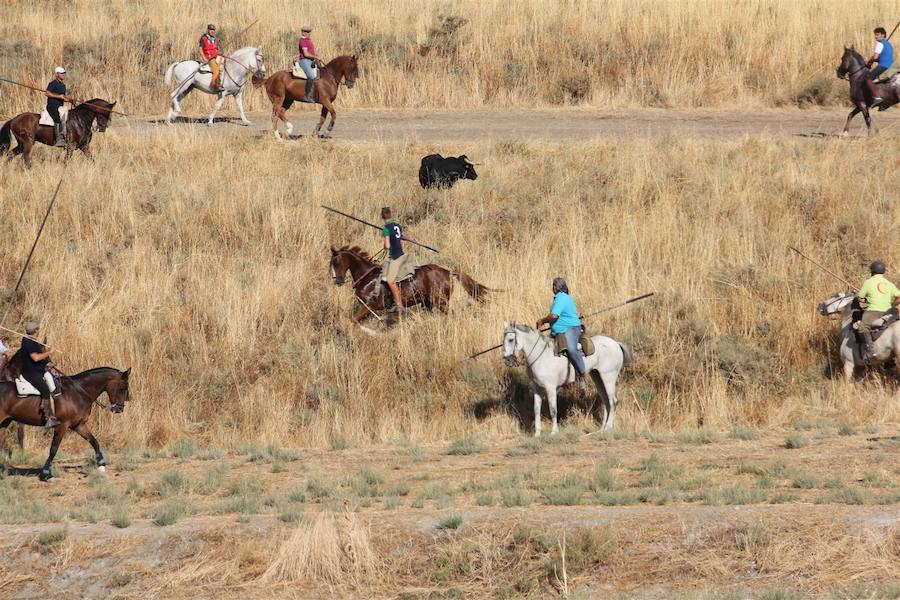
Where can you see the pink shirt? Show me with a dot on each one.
(308, 45)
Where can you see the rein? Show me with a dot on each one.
(533, 346)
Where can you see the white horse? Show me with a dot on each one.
(887, 344)
(548, 372)
(235, 74)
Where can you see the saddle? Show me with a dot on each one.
(879, 326)
(46, 119)
(889, 74)
(409, 269)
(204, 68)
(585, 344)
(297, 72)
(23, 388)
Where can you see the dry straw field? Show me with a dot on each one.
(754, 53)
(272, 449)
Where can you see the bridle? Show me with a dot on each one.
(259, 59)
(848, 74)
(526, 355)
(825, 307)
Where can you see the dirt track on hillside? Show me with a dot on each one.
(537, 124)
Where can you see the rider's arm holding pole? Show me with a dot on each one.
(39, 356)
(548, 320)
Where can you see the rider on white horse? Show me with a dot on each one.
(209, 53)
(564, 320)
(879, 296)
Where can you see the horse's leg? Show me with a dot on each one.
(321, 120)
(84, 431)
(239, 100)
(608, 393)
(849, 367)
(537, 413)
(27, 144)
(219, 101)
(551, 400)
(58, 433)
(329, 105)
(276, 115)
(604, 402)
(865, 112)
(86, 150)
(359, 315)
(175, 107)
(852, 114)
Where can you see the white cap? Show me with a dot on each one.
(59, 70)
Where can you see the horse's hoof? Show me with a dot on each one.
(45, 475)
(102, 469)
(246, 123)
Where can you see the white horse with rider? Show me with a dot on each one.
(548, 371)
(236, 72)
(883, 348)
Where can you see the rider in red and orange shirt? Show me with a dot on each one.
(209, 52)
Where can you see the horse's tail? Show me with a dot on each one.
(627, 354)
(476, 290)
(5, 140)
(169, 73)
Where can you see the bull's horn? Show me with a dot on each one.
(469, 162)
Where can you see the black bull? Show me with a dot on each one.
(439, 172)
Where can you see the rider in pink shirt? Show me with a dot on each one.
(307, 57)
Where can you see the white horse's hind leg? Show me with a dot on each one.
(551, 401)
(537, 414)
(216, 108)
(239, 100)
(848, 371)
(609, 391)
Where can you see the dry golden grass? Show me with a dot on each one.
(216, 290)
(465, 53)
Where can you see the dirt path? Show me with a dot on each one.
(556, 125)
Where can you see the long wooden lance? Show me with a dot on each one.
(587, 316)
(37, 238)
(894, 29)
(821, 266)
(73, 101)
(373, 225)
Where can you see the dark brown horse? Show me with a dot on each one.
(73, 407)
(79, 123)
(283, 90)
(430, 287)
(853, 67)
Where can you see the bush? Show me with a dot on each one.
(816, 92)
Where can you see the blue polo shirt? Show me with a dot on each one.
(886, 56)
(563, 307)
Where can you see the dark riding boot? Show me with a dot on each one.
(875, 99)
(869, 354)
(309, 92)
(60, 135)
(49, 419)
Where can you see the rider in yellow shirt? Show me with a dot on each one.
(878, 295)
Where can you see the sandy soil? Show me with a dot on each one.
(556, 125)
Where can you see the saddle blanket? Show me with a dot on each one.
(886, 76)
(297, 72)
(585, 344)
(46, 119)
(23, 388)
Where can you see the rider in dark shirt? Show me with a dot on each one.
(393, 234)
(35, 361)
(56, 95)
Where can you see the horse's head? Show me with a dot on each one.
(851, 61)
(512, 344)
(836, 304)
(351, 71)
(103, 111)
(117, 390)
(258, 64)
(339, 265)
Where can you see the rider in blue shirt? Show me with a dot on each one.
(884, 56)
(563, 319)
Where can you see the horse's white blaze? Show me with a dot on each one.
(547, 371)
(333, 272)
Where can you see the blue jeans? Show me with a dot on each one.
(307, 66)
(575, 356)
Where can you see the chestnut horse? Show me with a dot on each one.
(430, 286)
(73, 408)
(78, 125)
(283, 90)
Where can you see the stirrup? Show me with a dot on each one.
(50, 422)
(308, 99)
(877, 101)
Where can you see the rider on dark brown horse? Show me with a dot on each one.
(884, 56)
(56, 95)
(396, 259)
(306, 59)
(36, 361)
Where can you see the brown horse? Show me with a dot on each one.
(73, 407)
(283, 90)
(430, 287)
(853, 68)
(80, 120)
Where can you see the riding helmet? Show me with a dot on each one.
(877, 268)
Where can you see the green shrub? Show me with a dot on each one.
(450, 522)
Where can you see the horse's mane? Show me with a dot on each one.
(93, 371)
(359, 252)
(92, 103)
(856, 55)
